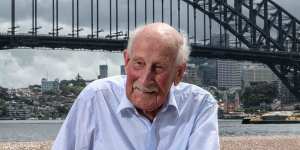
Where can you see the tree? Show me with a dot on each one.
(35, 88)
(62, 110)
(3, 107)
(3, 93)
(79, 81)
(51, 92)
(258, 93)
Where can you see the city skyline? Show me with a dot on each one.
(23, 67)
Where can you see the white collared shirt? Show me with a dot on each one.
(102, 118)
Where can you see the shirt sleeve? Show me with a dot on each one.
(77, 129)
(205, 134)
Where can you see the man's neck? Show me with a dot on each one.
(150, 115)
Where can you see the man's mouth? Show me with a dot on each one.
(145, 91)
(149, 90)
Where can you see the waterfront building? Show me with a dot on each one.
(103, 71)
(23, 92)
(50, 85)
(232, 105)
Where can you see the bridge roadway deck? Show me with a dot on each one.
(198, 50)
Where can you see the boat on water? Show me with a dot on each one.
(275, 117)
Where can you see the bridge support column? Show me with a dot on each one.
(13, 27)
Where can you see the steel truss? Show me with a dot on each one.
(279, 32)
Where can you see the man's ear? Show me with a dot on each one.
(179, 73)
(126, 57)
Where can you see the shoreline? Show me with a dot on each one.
(276, 142)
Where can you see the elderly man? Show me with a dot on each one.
(149, 109)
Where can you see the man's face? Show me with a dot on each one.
(151, 70)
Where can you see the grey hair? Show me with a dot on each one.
(183, 47)
(184, 50)
(132, 37)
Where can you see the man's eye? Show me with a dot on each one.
(159, 69)
(138, 64)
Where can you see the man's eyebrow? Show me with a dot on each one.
(161, 63)
(136, 58)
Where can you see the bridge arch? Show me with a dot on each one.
(285, 36)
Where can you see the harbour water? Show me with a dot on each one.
(28, 130)
(39, 130)
(235, 128)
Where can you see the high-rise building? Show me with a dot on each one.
(191, 75)
(122, 70)
(257, 73)
(228, 73)
(208, 72)
(103, 70)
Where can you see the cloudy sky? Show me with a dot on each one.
(22, 67)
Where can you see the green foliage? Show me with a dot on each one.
(72, 87)
(217, 95)
(51, 92)
(3, 107)
(61, 99)
(62, 109)
(259, 93)
(3, 98)
(35, 88)
(231, 96)
(3, 93)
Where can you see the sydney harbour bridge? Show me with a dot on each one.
(253, 30)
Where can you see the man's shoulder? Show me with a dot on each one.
(114, 83)
(193, 93)
(189, 89)
(109, 82)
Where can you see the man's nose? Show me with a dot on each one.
(147, 77)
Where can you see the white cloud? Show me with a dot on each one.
(18, 69)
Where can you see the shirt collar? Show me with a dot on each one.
(171, 104)
(124, 104)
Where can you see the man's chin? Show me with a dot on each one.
(145, 102)
(147, 108)
(145, 96)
